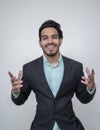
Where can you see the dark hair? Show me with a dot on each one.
(53, 24)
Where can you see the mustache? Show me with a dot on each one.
(49, 44)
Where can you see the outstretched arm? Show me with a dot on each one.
(86, 89)
(20, 88)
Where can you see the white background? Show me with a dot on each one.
(19, 24)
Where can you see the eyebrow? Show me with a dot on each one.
(44, 36)
(47, 35)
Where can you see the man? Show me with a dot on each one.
(54, 79)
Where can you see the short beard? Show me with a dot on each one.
(51, 54)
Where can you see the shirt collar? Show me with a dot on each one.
(46, 61)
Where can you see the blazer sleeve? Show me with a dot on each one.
(24, 91)
(81, 90)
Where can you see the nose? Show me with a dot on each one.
(49, 40)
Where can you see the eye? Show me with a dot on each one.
(54, 36)
(44, 38)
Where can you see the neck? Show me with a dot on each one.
(53, 59)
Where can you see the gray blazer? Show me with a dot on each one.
(49, 108)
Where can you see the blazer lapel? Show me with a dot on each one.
(44, 84)
(66, 74)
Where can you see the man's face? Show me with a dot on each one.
(50, 41)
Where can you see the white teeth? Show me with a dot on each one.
(50, 46)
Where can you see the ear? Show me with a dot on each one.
(60, 41)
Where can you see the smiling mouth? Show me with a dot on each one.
(50, 46)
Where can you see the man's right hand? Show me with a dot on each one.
(16, 82)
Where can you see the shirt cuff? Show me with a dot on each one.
(91, 91)
(15, 94)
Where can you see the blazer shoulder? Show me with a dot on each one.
(33, 62)
(72, 62)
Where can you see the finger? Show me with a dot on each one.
(84, 82)
(16, 83)
(13, 78)
(92, 72)
(11, 75)
(84, 78)
(87, 71)
(87, 79)
(91, 76)
(19, 75)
